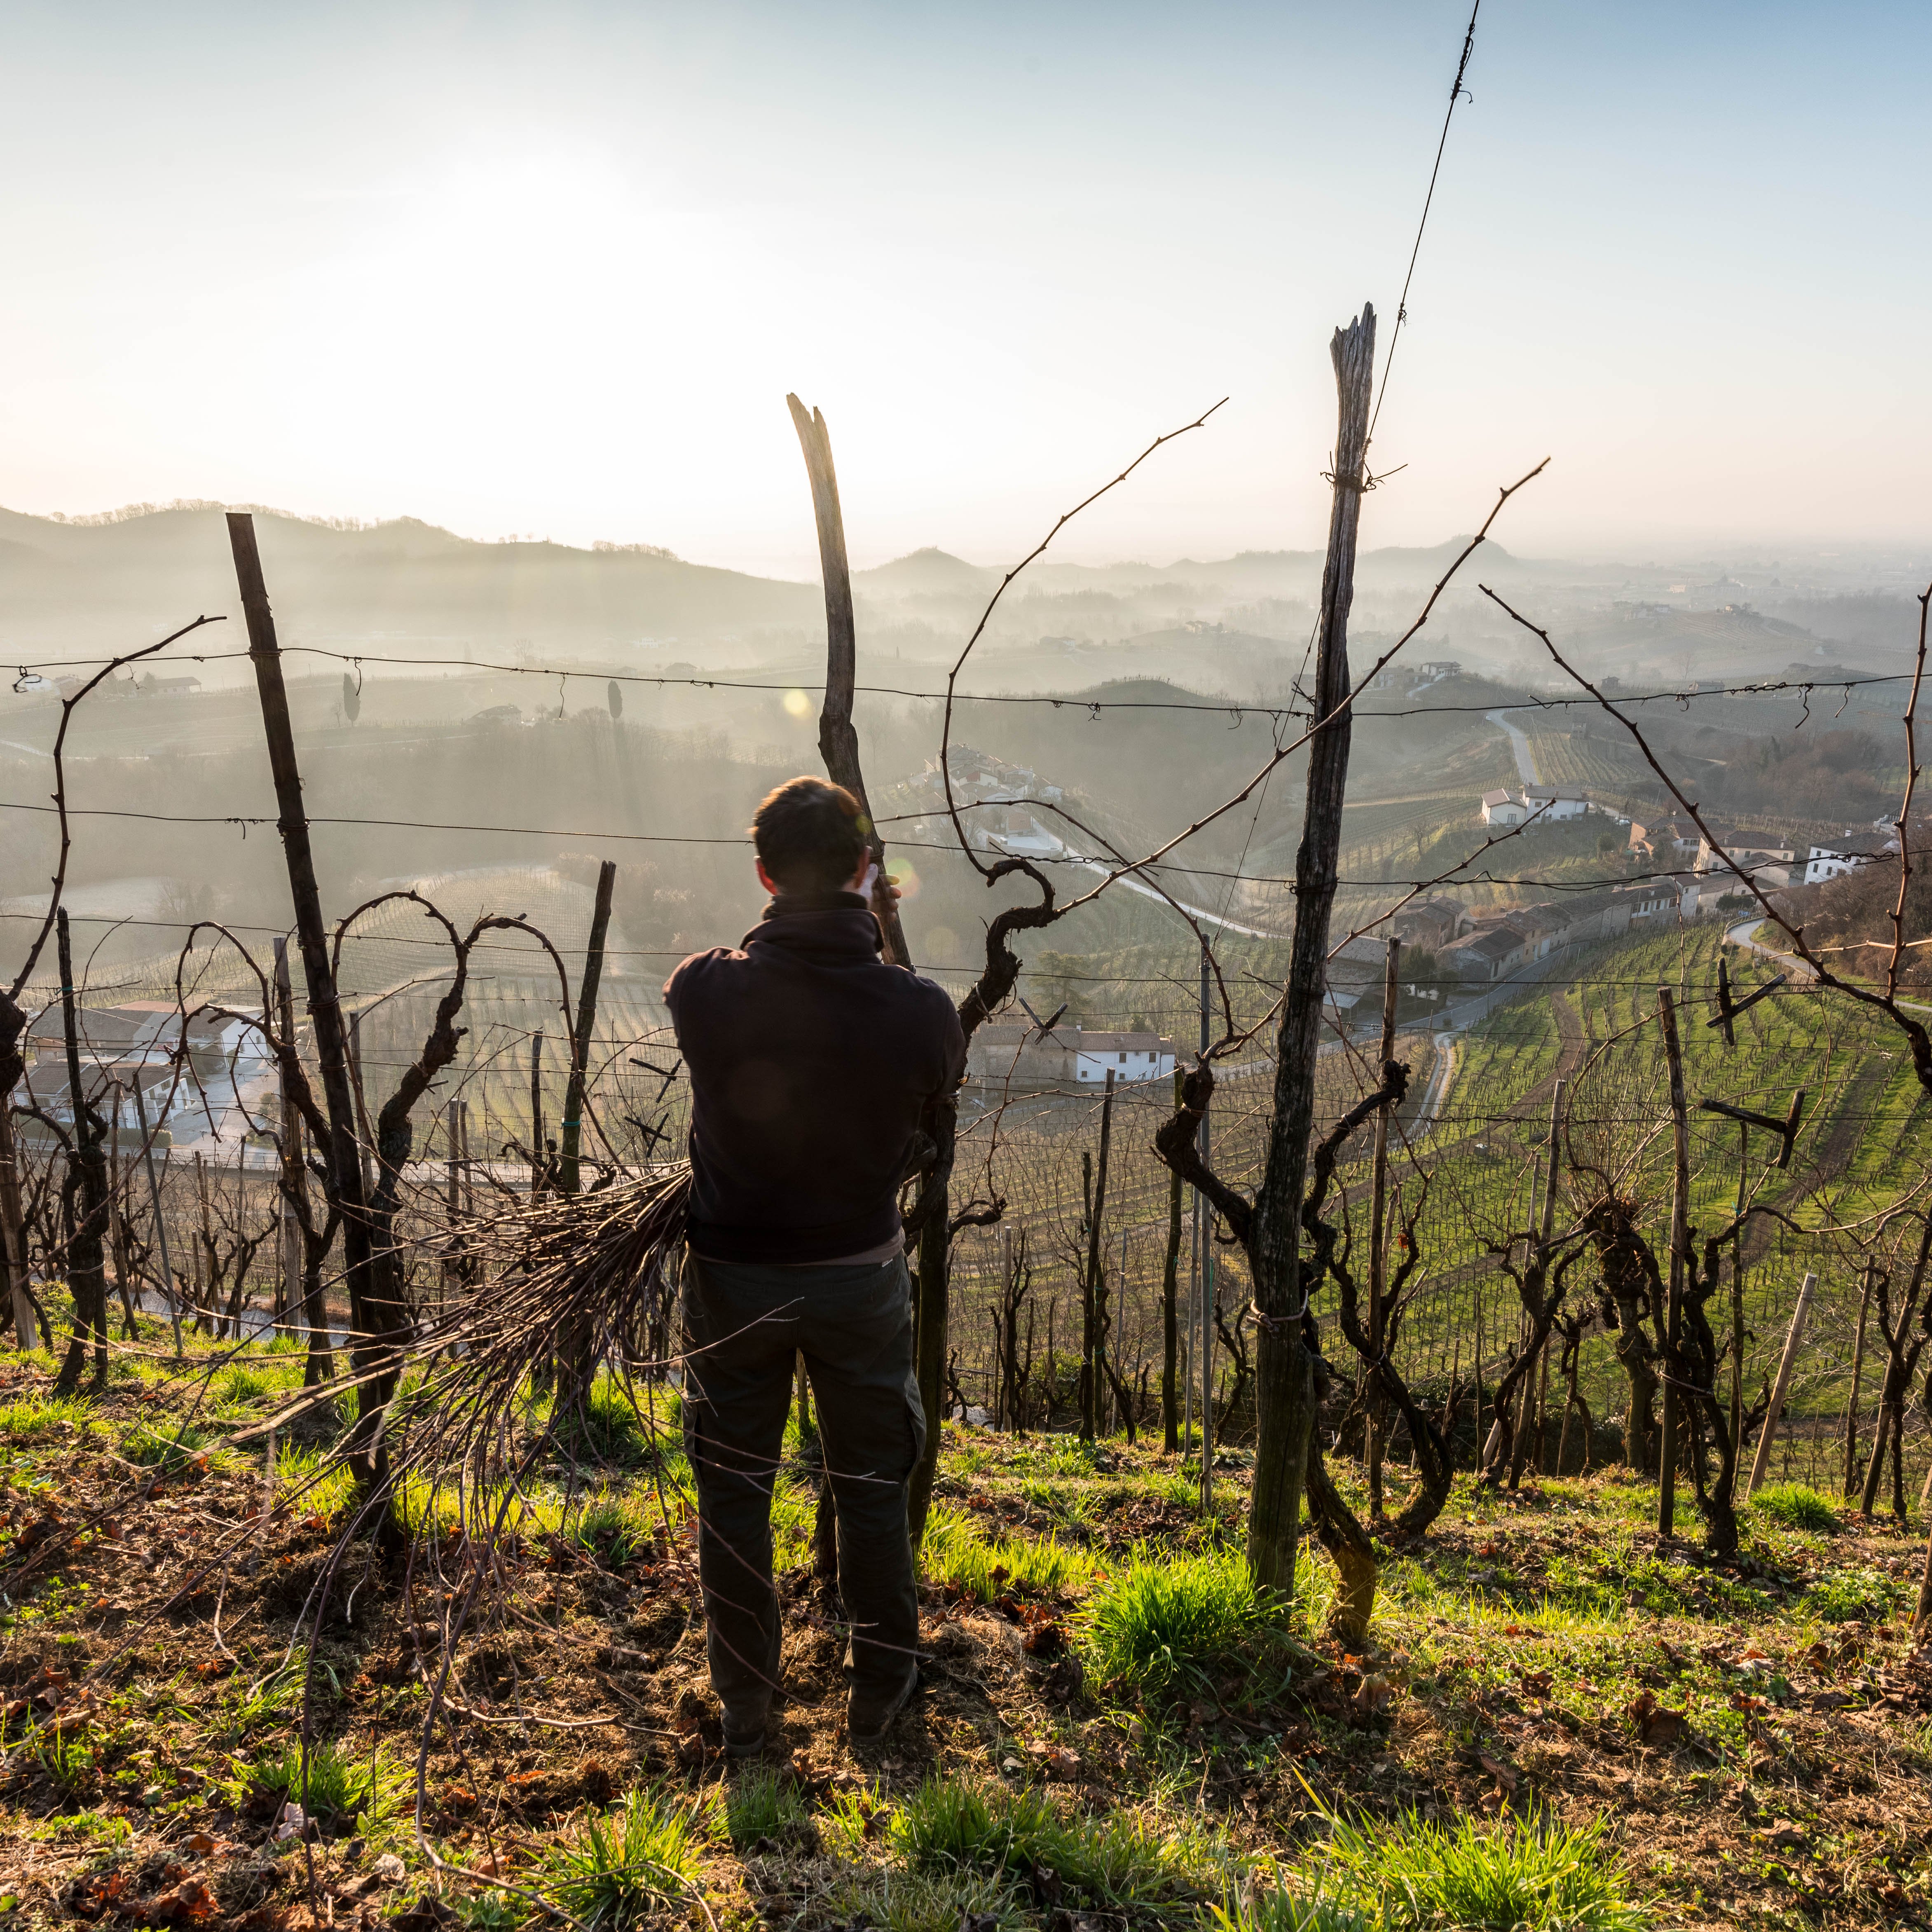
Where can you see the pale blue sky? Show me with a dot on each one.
(551, 269)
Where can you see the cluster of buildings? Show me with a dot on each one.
(1548, 805)
(1006, 1053)
(1001, 796)
(131, 1049)
(1772, 863)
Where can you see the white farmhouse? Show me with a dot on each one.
(1500, 809)
(1132, 1057)
(1553, 803)
(1829, 862)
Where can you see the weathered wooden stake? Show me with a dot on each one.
(1092, 1300)
(1680, 1209)
(1378, 1239)
(1851, 1472)
(1780, 1388)
(568, 1160)
(13, 1226)
(377, 1320)
(87, 1271)
(1170, 1326)
(838, 736)
(160, 1219)
(1284, 1377)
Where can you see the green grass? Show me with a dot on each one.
(608, 1428)
(1851, 1596)
(1410, 1875)
(38, 1418)
(956, 1550)
(170, 1447)
(760, 1805)
(312, 1481)
(1162, 1623)
(336, 1785)
(1795, 1506)
(619, 1867)
(1113, 1858)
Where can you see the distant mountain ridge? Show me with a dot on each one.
(118, 576)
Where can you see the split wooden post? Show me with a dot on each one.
(536, 1113)
(1787, 1363)
(376, 1321)
(1851, 1473)
(13, 1226)
(1170, 1288)
(282, 1002)
(1680, 1209)
(1093, 1302)
(1204, 1243)
(1284, 1372)
(568, 1163)
(86, 1269)
(1378, 1240)
(160, 1219)
(577, 1347)
(838, 736)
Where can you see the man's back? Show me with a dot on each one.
(810, 1062)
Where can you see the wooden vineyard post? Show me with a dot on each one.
(568, 1177)
(578, 1346)
(1378, 1240)
(1092, 1301)
(536, 1113)
(282, 999)
(1680, 1209)
(13, 1226)
(86, 1269)
(1284, 1373)
(1851, 1471)
(1203, 1244)
(377, 1322)
(1738, 1302)
(838, 736)
(363, 1132)
(160, 1219)
(1170, 1331)
(1781, 1388)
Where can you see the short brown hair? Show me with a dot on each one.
(810, 834)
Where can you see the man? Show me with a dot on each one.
(810, 1060)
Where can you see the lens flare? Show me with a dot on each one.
(798, 703)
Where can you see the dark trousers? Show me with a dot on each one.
(745, 1323)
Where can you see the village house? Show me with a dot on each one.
(1430, 923)
(1486, 956)
(1009, 1054)
(1834, 861)
(1665, 839)
(1499, 807)
(1552, 803)
(1762, 858)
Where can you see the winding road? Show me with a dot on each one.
(1525, 759)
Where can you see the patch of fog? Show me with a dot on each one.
(149, 896)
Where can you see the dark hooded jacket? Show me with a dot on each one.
(810, 1061)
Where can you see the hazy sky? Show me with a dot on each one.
(550, 269)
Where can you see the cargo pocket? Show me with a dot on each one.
(915, 1424)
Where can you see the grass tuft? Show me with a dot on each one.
(1796, 1506)
(1410, 1875)
(621, 1867)
(955, 1550)
(1113, 1858)
(761, 1804)
(1161, 1623)
(336, 1785)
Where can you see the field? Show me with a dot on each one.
(1559, 1722)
